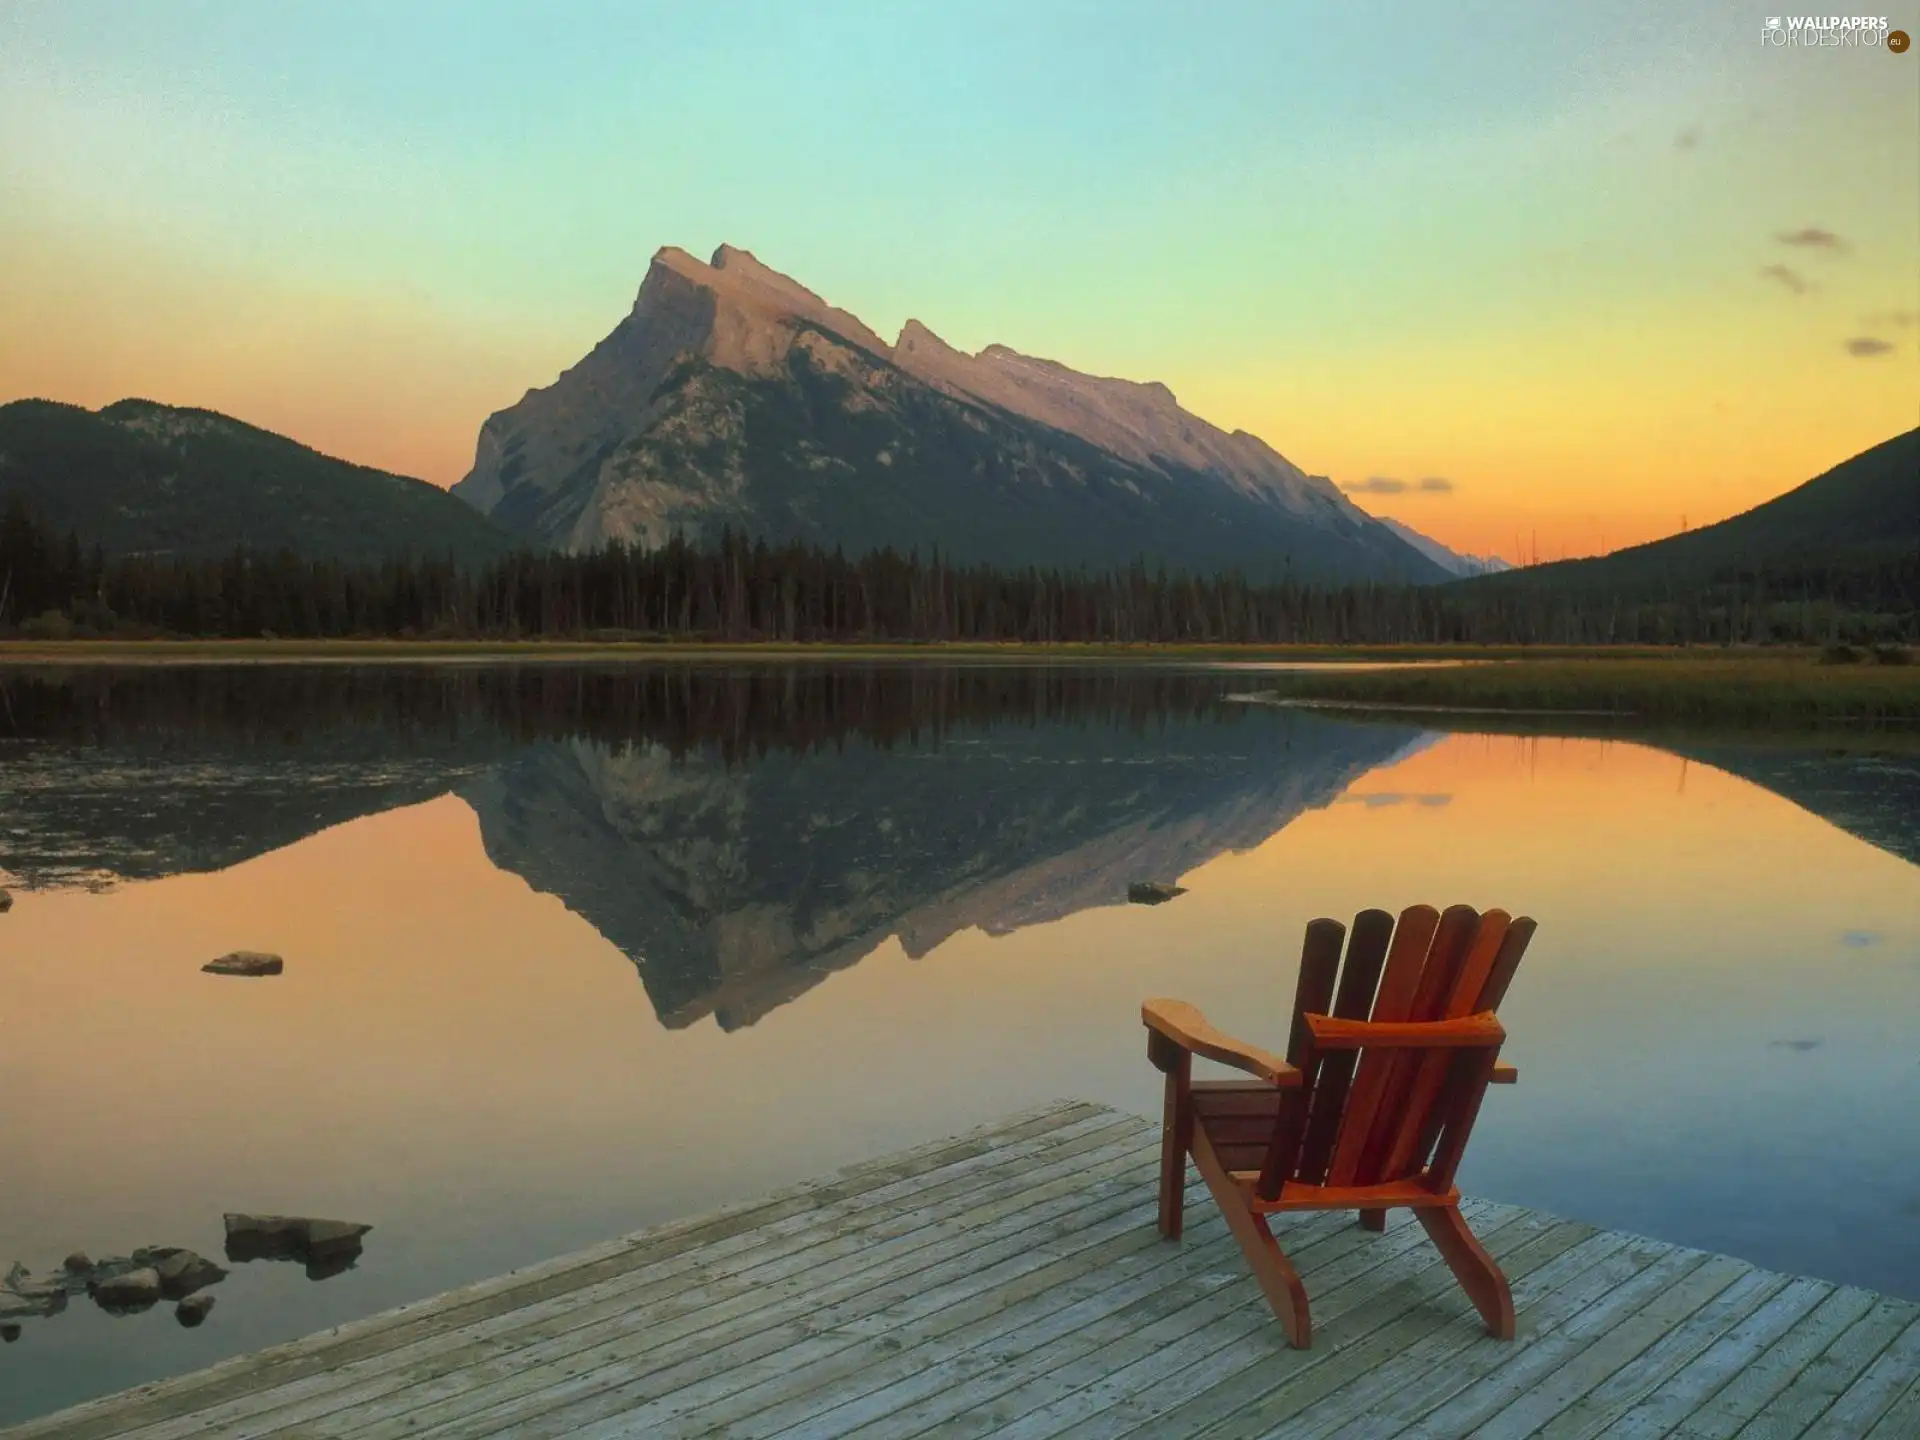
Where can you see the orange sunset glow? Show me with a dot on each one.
(1577, 296)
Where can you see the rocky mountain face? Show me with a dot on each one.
(732, 396)
(1451, 561)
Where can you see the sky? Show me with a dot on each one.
(1590, 272)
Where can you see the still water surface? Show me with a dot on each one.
(572, 952)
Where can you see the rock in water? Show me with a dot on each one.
(192, 1310)
(6, 902)
(23, 1294)
(326, 1247)
(14, 1306)
(1153, 892)
(183, 1272)
(78, 1263)
(245, 962)
(126, 1294)
(9, 1333)
(331, 1234)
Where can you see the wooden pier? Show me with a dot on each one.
(1010, 1282)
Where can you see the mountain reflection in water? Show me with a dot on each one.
(737, 833)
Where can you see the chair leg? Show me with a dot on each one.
(1176, 1133)
(1278, 1280)
(1472, 1266)
(1374, 1219)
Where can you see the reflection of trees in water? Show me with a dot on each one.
(137, 772)
(733, 709)
(1873, 797)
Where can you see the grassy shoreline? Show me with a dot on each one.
(1740, 690)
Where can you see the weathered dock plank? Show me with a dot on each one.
(1011, 1282)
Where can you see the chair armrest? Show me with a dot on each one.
(1469, 1031)
(1505, 1074)
(1186, 1027)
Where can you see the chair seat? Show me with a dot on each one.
(1238, 1117)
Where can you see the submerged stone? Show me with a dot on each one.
(24, 1294)
(325, 1247)
(192, 1310)
(1153, 892)
(127, 1294)
(245, 962)
(15, 1306)
(183, 1272)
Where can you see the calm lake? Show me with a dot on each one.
(570, 951)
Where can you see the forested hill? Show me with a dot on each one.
(1838, 559)
(1850, 537)
(140, 478)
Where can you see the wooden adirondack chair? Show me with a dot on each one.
(1372, 1106)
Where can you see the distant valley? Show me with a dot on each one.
(1451, 561)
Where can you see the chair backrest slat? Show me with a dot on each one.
(1504, 965)
(1312, 994)
(1359, 978)
(1469, 1075)
(1471, 981)
(1313, 991)
(1399, 981)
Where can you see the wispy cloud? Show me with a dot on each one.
(1787, 276)
(1687, 139)
(1866, 346)
(1376, 799)
(1387, 485)
(1898, 319)
(1812, 237)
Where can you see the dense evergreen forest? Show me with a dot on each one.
(740, 590)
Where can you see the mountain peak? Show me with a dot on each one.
(742, 266)
(607, 450)
(673, 258)
(915, 336)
